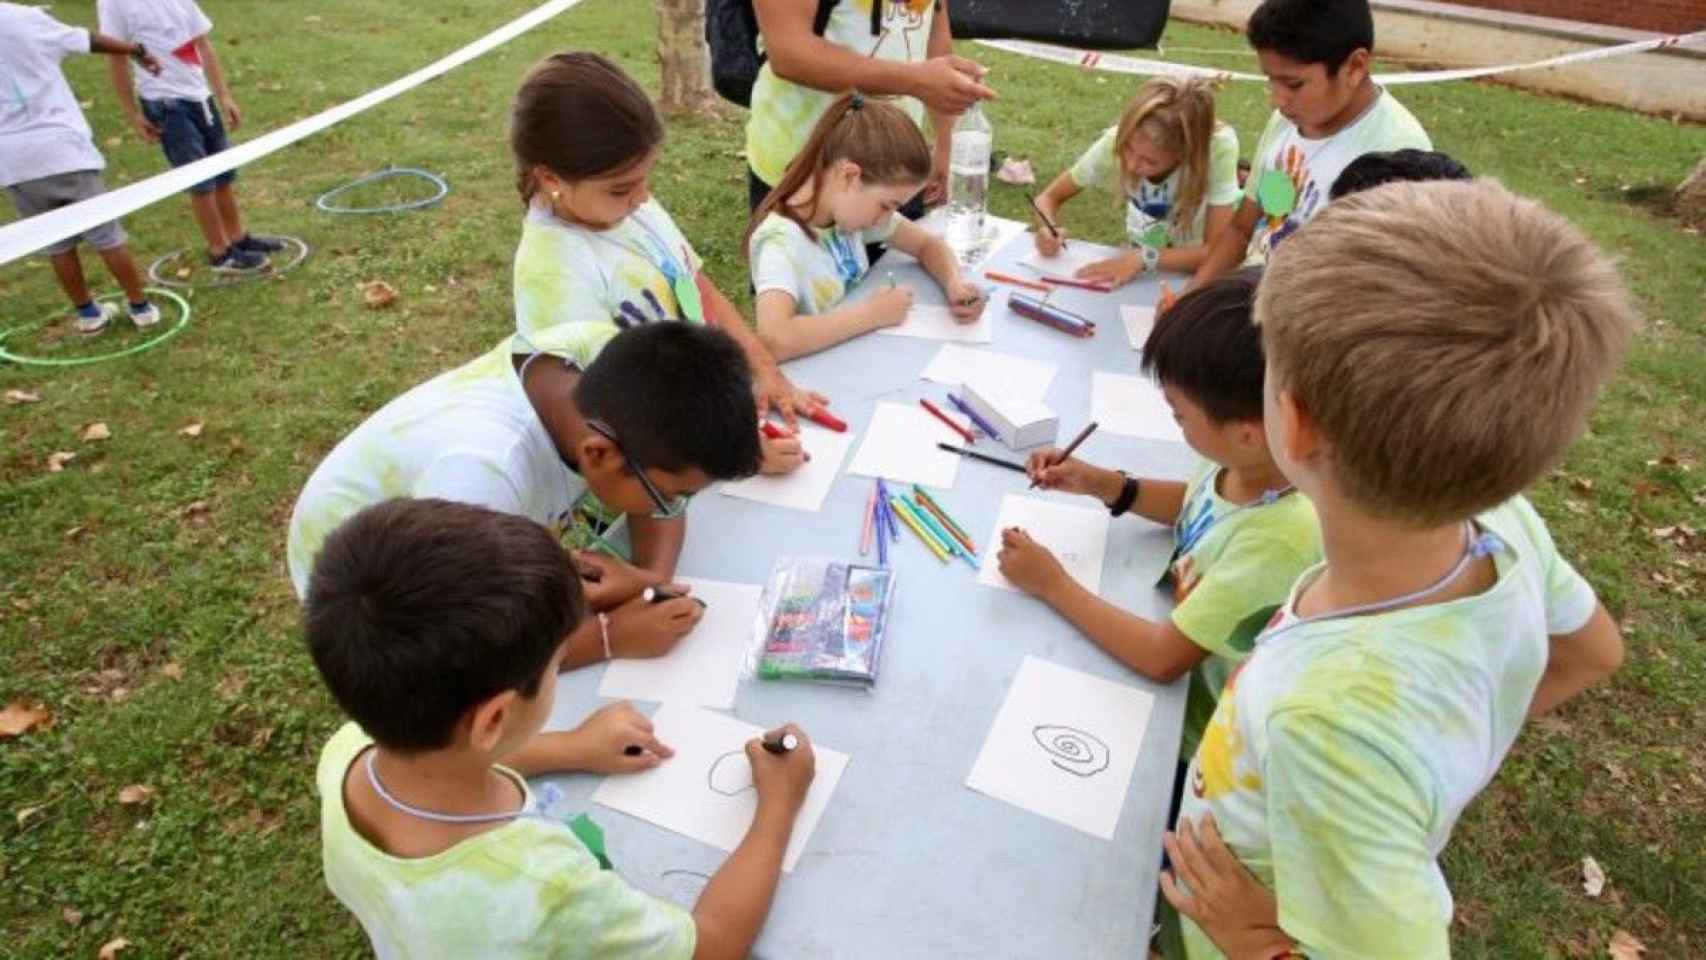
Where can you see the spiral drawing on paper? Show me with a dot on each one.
(730, 774)
(1071, 749)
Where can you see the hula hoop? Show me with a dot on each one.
(324, 201)
(171, 331)
(300, 247)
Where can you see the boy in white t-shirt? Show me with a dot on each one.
(1387, 690)
(177, 109)
(48, 157)
(1327, 112)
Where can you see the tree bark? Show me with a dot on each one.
(684, 58)
(1691, 196)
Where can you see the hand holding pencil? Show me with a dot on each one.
(1040, 465)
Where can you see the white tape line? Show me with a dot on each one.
(27, 236)
(1118, 63)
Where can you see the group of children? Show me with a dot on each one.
(48, 157)
(1366, 606)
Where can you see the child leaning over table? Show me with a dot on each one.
(439, 628)
(1386, 692)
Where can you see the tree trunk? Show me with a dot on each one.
(684, 57)
(1691, 196)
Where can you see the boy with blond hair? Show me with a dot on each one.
(1387, 690)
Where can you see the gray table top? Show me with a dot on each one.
(907, 861)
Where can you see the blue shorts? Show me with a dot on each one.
(190, 131)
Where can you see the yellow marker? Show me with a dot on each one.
(905, 514)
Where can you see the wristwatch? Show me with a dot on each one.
(1151, 257)
(1127, 497)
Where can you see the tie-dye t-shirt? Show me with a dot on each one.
(1149, 206)
(783, 112)
(469, 434)
(577, 288)
(1343, 750)
(1291, 174)
(1234, 566)
(529, 888)
(817, 274)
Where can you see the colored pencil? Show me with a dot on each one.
(869, 524)
(918, 528)
(986, 458)
(943, 537)
(936, 412)
(973, 416)
(881, 518)
(1080, 284)
(1015, 281)
(1052, 229)
(954, 528)
(1064, 455)
(821, 416)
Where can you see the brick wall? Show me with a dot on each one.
(1660, 16)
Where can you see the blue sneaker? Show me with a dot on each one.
(255, 244)
(237, 260)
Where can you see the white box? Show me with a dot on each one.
(1018, 423)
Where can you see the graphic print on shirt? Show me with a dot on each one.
(1215, 772)
(906, 17)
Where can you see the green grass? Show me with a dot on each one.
(154, 553)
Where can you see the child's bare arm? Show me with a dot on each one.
(216, 79)
(1579, 660)
(1188, 259)
(119, 71)
(1227, 250)
(789, 334)
(965, 300)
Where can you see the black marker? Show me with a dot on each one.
(633, 750)
(780, 743)
(660, 595)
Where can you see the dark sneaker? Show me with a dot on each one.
(238, 260)
(254, 244)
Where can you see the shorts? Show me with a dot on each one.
(190, 131)
(34, 197)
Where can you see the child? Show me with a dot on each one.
(598, 253)
(438, 627)
(806, 242)
(1177, 169)
(1327, 112)
(664, 410)
(1385, 693)
(48, 157)
(1241, 534)
(1391, 166)
(177, 109)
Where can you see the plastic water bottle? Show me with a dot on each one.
(968, 182)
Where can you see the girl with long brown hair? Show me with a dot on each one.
(806, 243)
(1175, 167)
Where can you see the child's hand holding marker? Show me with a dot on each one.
(640, 629)
(966, 300)
(609, 581)
(783, 452)
(616, 739)
(1029, 564)
(1072, 475)
(781, 777)
(890, 305)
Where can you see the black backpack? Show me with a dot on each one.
(731, 31)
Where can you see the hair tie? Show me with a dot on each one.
(856, 102)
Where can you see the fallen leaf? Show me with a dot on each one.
(57, 460)
(192, 429)
(97, 431)
(1593, 878)
(195, 512)
(111, 948)
(25, 813)
(1624, 946)
(76, 533)
(1582, 484)
(20, 717)
(378, 294)
(22, 396)
(73, 917)
(183, 273)
(135, 793)
(1662, 533)
(174, 670)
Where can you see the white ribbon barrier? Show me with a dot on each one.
(1119, 63)
(26, 236)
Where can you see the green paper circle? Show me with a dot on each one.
(1276, 193)
(687, 299)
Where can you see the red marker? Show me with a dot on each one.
(773, 432)
(938, 414)
(821, 416)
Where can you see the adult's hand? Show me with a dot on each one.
(951, 84)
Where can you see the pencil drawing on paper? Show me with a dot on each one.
(730, 774)
(1078, 752)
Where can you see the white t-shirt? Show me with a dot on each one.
(168, 28)
(42, 130)
(817, 274)
(1343, 750)
(1149, 206)
(1299, 172)
(469, 434)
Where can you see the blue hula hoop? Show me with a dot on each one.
(441, 190)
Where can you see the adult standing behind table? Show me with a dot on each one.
(895, 47)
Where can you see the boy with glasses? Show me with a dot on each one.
(663, 411)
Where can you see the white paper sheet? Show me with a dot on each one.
(705, 791)
(807, 487)
(1066, 264)
(1063, 746)
(1132, 406)
(935, 322)
(704, 668)
(900, 444)
(1138, 320)
(1019, 377)
(1077, 535)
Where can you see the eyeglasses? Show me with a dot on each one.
(668, 508)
